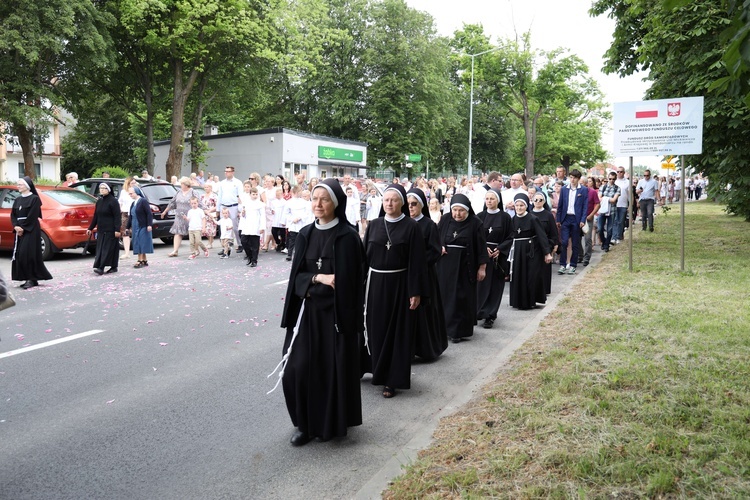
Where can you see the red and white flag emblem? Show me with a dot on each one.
(646, 112)
(673, 109)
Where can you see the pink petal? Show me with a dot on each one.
(163, 344)
(48, 330)
(110, 401)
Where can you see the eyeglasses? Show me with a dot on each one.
(413, 204)
(538, 201)
(620, 171)
(612, 178)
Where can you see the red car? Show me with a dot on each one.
(66, 214)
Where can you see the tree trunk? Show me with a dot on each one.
(528, 150)
(149, 132)
(176, 145)
(26, 141)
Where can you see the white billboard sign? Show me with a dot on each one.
(659, 127)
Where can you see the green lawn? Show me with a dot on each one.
(638, 384)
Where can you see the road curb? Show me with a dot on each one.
(423, 438)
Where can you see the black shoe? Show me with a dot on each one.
(289, 258)
(229, 252)
(111, 270)
(456, 340)
(239, 249)
(487, 323)
(221, 254)
(300, 438)
(651, 229)
(253, 264)
(29, 284)
(585, 263)
(99, 271)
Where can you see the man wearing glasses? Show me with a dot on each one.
(609, 194)
(621, 210)
(648, 191)
(516, 181)
(228, 192)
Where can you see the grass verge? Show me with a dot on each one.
(636, 385)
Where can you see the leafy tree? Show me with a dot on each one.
(683, 49)
(194, 37)
(409, 103)
(543, 86)
(42, 47)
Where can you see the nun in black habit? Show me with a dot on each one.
(542, 212)
(432, 337)
(107, 221)
(528, 249)
(323, 313)
(462, 265)
(27, 261)
(396, 281)
(496, 224)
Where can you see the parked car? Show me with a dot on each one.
(66, 214)
(158, 194)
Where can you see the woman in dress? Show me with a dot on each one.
(496, 224)
(209, 202)
(529, 250)
(396, 280)
(323, 320)
(27, 262)
(542, 212)
(125, 201)
(107, 221)
(180, 203)
(140, 224)
(432, 337)
(463, 264)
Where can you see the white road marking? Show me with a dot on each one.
(50, 343)
(281, 282)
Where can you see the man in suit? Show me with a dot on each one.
(571, 217)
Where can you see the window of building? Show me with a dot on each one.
(37, 170)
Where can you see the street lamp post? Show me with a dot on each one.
(471, 100)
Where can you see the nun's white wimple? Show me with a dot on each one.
(330, 191)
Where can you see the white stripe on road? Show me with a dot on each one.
(50, 343)
(281, 282)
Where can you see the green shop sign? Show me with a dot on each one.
(330, 153)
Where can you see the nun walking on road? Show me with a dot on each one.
(462, 265)
(323, 313)
(496, 225)
(529, 250)
(27, 262)
(107, 221)
(396, 281)
(432, 337)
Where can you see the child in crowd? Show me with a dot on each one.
(196, 226)
(278, 230)
(296, 218)
(227, 234)
(252, 223)
(352, 207)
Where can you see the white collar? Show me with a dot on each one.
(389, 219)
(327, 225)
(27, 193)
(535, 210)
(524, 214)
(495, 211)
(419, 218)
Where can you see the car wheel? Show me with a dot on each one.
(47, 252)
(169, 240)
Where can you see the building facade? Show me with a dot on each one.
(273, 151)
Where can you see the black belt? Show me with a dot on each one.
(230, 206)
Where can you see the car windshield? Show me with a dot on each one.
(161, 192)
(70, 197)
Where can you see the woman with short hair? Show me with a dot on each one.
(180, 202)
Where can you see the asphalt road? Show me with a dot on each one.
(164, 393)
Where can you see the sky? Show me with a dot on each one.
(553, 24)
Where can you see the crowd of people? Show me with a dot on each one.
(376, 279)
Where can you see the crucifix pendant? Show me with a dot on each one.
(519, 230)
(319, 263)
(388, 245)
(455, 233)
(490, 231)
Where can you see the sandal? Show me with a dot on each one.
(139, 264)
(388, 392)
(173, 254)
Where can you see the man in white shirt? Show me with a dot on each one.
(648, 191)
(228, 191)
(618, 229)
(516, 181)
